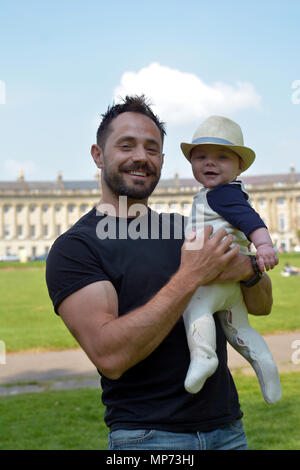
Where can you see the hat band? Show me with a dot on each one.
(211, 140)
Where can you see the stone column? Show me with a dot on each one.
(14, 222)
(40, 221)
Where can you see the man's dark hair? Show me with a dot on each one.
(134, 104)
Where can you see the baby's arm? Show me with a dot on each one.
(265, 254)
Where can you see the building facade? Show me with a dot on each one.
(34, 214)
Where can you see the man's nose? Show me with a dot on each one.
(139, 154)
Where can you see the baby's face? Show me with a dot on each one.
(213, 165)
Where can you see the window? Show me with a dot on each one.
(20, 231)
(32, 231)
(45, 231)
(261, 202)
(32, 207)
(281, 223)
(159, 206)
(71, 207)
(19, 208)
(187, 208)
(58, 207)
(58, 230)
(280, 201)
(173, 206)
(33, 251)
(83, 207)
(45, 207)
(6, 231)
(6, 207)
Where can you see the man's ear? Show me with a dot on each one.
(97, 155)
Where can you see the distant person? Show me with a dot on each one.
(291, 270)
(218, 155)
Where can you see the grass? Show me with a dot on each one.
(271, 427)
(53, 421)
(285, 314)
(75, 419)
(28, 321)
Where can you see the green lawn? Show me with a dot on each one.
(271, 427)
(29, 323)
(74, 419)
(285, 314)
(53, 421)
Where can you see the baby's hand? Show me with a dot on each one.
(266, 257)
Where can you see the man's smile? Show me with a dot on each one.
(139, 173)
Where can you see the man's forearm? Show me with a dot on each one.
(132, 337)
(258, 298)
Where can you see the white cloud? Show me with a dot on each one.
(180, 97)
(13, 168)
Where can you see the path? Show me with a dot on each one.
(61, 370)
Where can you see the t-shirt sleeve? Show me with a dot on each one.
(230, 202)
(71, 265)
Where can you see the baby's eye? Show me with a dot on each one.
(223, 157)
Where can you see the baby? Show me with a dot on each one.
(218, 155)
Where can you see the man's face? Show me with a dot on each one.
(132, 158)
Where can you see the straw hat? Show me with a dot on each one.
(218, 130)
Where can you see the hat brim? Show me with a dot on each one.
(246, 154)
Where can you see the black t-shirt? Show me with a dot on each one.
(151, 394)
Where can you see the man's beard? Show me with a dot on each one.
(117, 184)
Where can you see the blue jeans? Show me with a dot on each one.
(228, 437)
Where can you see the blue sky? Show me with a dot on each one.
(62, 63)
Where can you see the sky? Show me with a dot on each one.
(63, 62)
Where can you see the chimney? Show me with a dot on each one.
(292, 174)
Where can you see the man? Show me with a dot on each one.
(122, 297)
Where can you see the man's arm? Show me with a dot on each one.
(258, 298)
(116, 343)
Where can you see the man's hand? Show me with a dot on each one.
(205, 258)
(239, 269)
